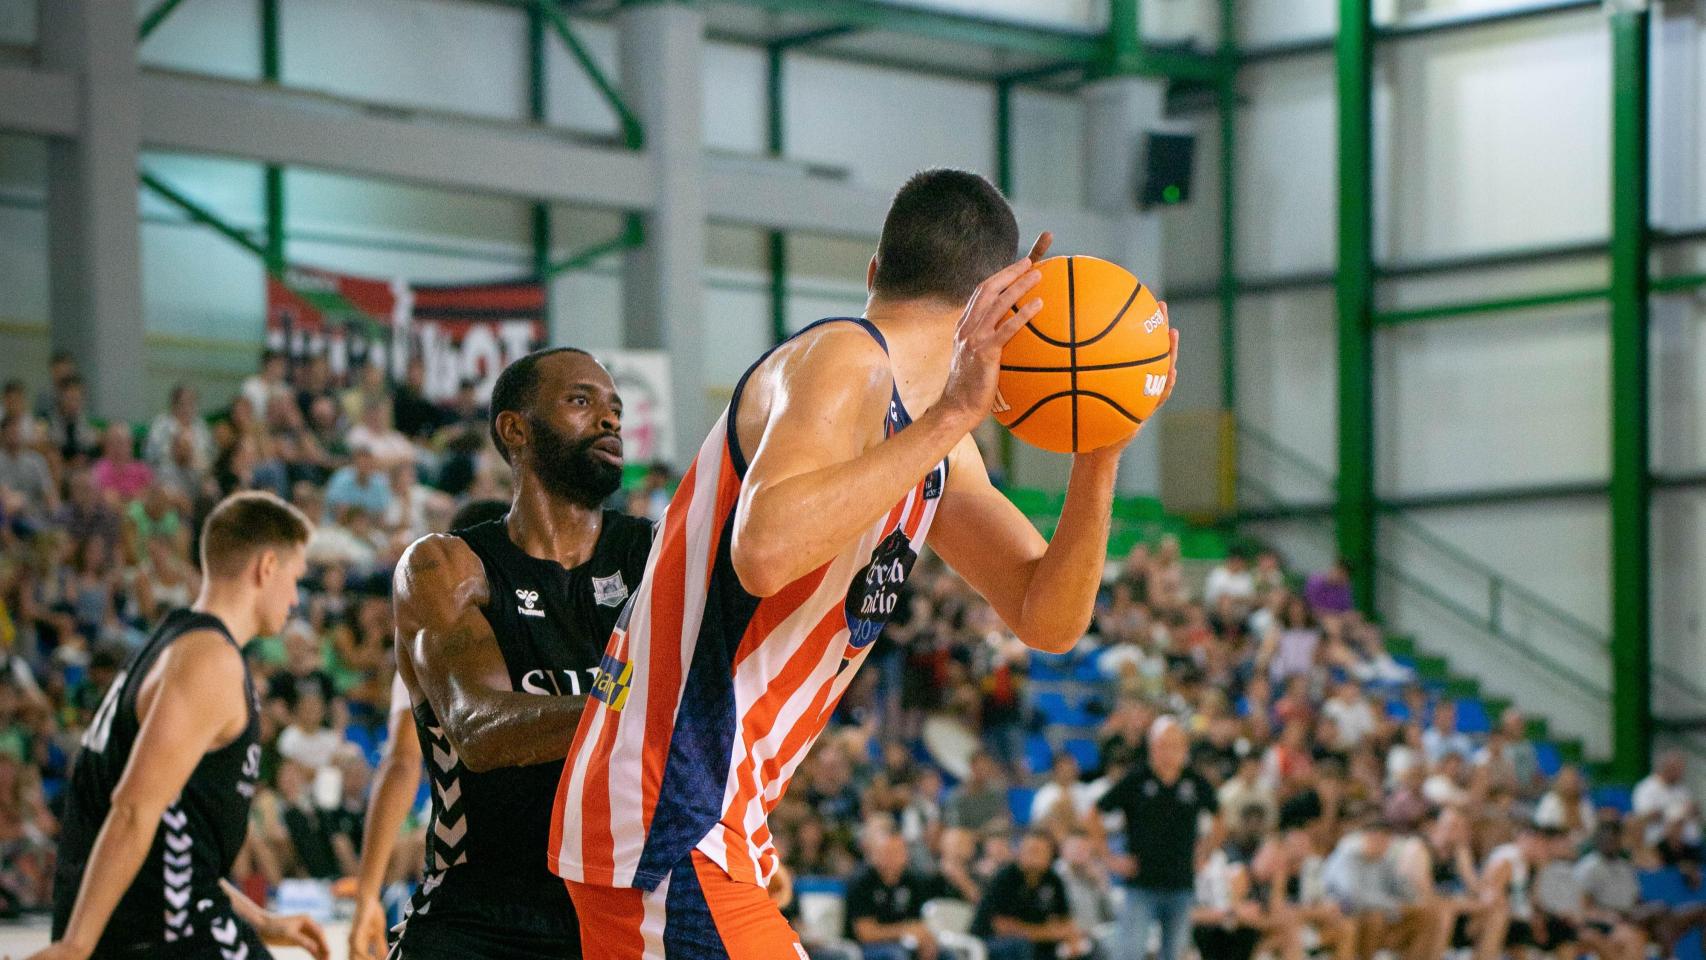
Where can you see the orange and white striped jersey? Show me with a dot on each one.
(708, 697)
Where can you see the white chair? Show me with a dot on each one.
(950, 920)
(823, 917)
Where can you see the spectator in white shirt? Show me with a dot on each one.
(1443, 737)
(376, 434)
(1231, 578)
(1566, 807)
(264, 388)
(1663, 794)
(1350, 711)
(1064, 799)
(182, 419)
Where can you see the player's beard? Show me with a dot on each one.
(568, 468)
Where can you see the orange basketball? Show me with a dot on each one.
(1089, 368)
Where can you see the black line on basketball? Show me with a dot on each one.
(1110, 401)
(1033, 408)
(1072, 333)
(1085, 368)
(1104, 332)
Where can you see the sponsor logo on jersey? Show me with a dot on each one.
(557, 683)
(529, 599)
(876, 590)
(611, 685)
(609, 591)
(933, 483)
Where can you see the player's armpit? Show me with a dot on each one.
(814, 482)
(454, 662)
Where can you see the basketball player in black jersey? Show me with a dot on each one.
(158, 803)
(500, 628)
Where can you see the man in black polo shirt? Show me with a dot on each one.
(1163, 803)
(1025, 914)
(885, 905)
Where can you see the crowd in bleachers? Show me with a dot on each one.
(1231, 762)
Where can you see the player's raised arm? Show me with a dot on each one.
(438, 588)
(809, 490)
(1045, 591)
(395, 784)
(176, 733)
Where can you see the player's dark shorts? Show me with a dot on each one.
(457, 926)
(1216, 942)
(1543, 932)
(216, 934)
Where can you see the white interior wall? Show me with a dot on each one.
(1501, 401)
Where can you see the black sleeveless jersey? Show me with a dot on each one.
(487, 840)
(175, 903)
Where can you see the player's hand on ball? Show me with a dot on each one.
(367, 931)
(295, 930)
(989, 321)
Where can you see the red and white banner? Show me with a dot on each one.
(460, 331)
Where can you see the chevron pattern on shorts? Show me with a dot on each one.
(178, 874)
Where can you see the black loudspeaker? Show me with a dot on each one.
(1168, 158)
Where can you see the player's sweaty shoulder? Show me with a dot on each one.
(836, 357)
(441, 571)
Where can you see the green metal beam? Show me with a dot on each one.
(539, 214)
(633, 135)
(1228, 115)
(152, 20)
(776, 242)
(1498, 305)
(1631, 485)
(632, 235)
(204, 216)
(1687, 281)
(273, 200)
(1004, 136)
(1054, 43)
(1354, 290)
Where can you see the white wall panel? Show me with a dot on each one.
(1287, 167)
(734, 94)
(1287, 386)
(1678, 387)
(1499, 137)
(1679, 635)
(220, 37)
(1503, 400)
(1261, 24)
(883, 125)
(434, 54)
(196, 283)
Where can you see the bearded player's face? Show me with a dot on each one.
(575, 429)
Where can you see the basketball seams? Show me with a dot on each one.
(1118, 316)
(1087, 367)
(1072, 336)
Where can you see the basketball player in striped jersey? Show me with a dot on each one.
(500, 627)
(158, 803)
(780, 559)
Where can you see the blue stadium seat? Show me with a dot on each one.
(1084, 750)
(834, 885)
(1049, 666)
(1667, 886)
(1018, 804)
(1038, 754)
(1397, 710)
(1472, 716)
(1549, 758)
(1616, 797)
(1054, 708)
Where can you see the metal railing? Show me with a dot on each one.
(1513, 614)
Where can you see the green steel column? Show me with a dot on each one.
(1125, 49)
(271, 69)
(1354, 53)
(1631, 494)
(778, 240)
(1228, 207)
(536, 111)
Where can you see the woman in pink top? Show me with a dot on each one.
(118, 473)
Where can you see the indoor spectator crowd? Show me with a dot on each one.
(1229, 764)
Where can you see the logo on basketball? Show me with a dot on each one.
(1154, 383)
